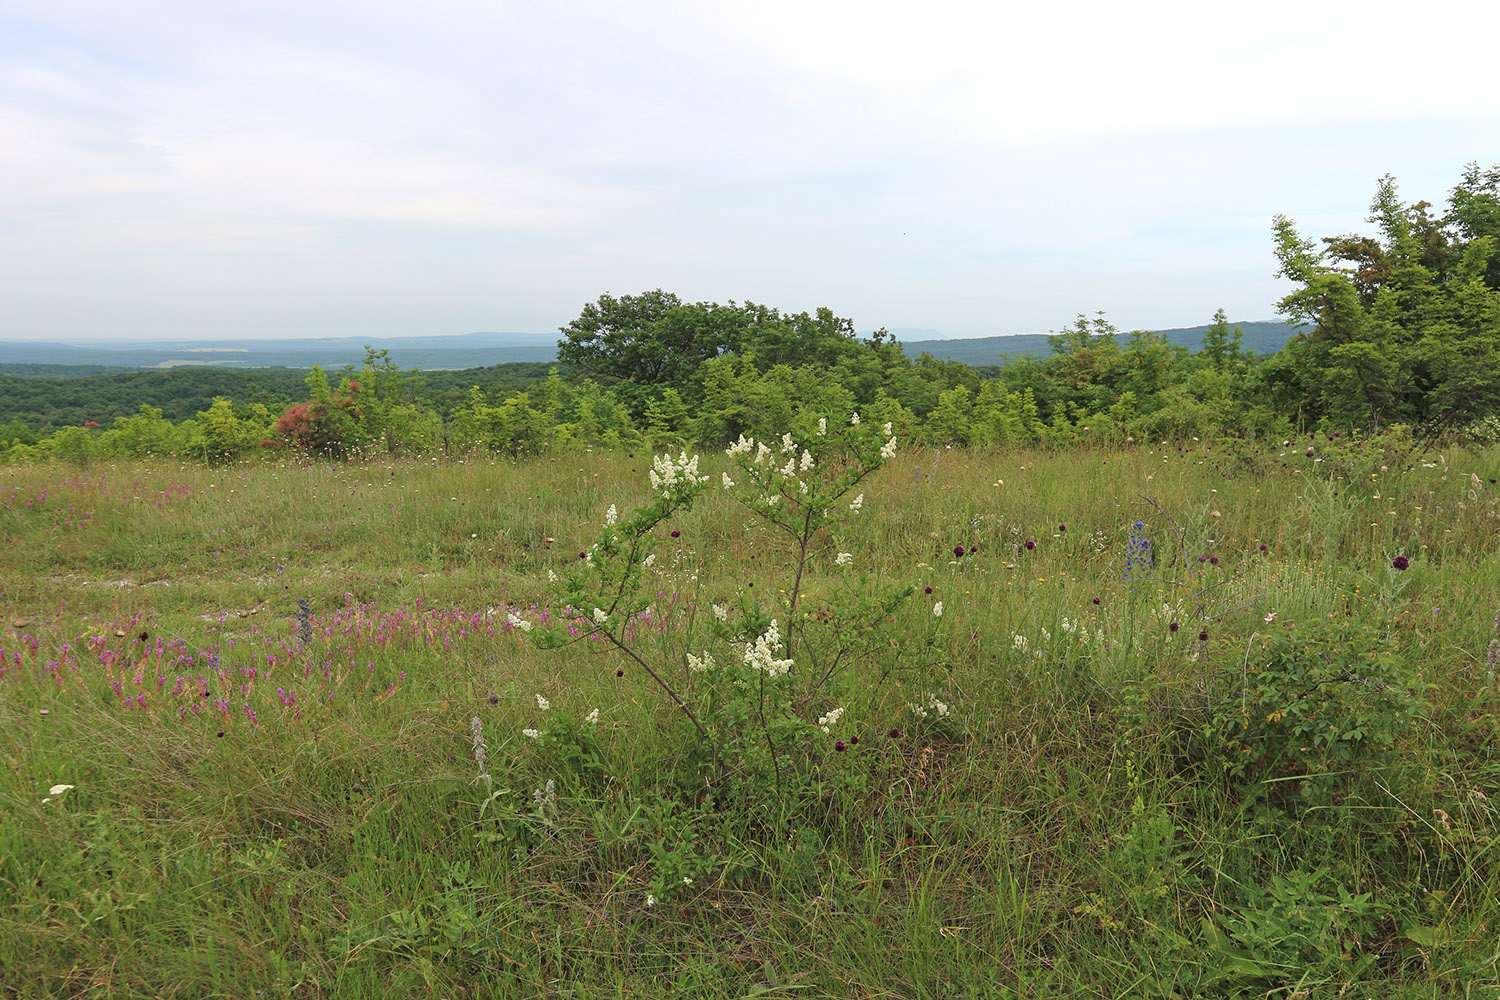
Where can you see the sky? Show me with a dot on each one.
(214, 169)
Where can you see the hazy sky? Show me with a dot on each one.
(197, 168)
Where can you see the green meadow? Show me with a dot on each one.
(1175, 718)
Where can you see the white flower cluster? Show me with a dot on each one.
(937, 610)
(843, 559)
(672, 477)
(888, 450)
(534, 734)
(543, 703)
(721, 612)
(856, 504)
(592, 718)
(761, 654)
(932, 706)
(1081, 631)
(698, 665)
(826, 722)
(611, 516)
(823, 430)
(516, 621)
(600, 616)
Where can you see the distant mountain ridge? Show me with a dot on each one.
(468, 350)
(474, 350)
(1262, 337)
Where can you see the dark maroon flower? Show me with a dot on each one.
(494, 699)
(1400, 562)
(1062, 527)
(144, 636)
(958, 550)
(1096, 600)
(1263, 547)
(676, 533)
(927, 590)
(1173, 627)
(1213, 560)
(1202, 636)
(583, 555)
(221, 734)
(854, 741)
(1309, 453)
(840, 746)
(1203, 558)
(619, 673)
(1030, 544)
(894, 734)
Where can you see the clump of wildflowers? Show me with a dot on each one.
(761, 654)
(1138, 558)
(826, 722)
(304, 620)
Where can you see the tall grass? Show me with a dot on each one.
(255, 814)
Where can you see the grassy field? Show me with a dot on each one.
(1262, 762)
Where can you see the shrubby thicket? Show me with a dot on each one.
(1403, 335)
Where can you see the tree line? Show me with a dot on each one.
(1399, 329)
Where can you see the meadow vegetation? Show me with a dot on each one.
(1166, 718)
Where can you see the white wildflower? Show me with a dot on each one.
(790, 468)
(1018, 643)
(721, 612)
(886, 429)
(740, 447)
(854, 420)
(543, 703)
(807, 461)
(843, 559)
(700, 664)
(802, 486)
(937, 610)
(516, 621)
(856, 504)
(611, 516)
(649, 561)
(888, 450)
(592, 718)
(686, 880)
(600, 616)
(650, 899)
(788, 445)
(1270, 618)
(534, 734)
(762, 453)
(761, 654)
(726, 481)
(551, 576)
(822, 426)
(672, 477)
(56, 790)
(829, 720)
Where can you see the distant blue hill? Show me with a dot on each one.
(476, 350)
(473, 350)
(1265, 337)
